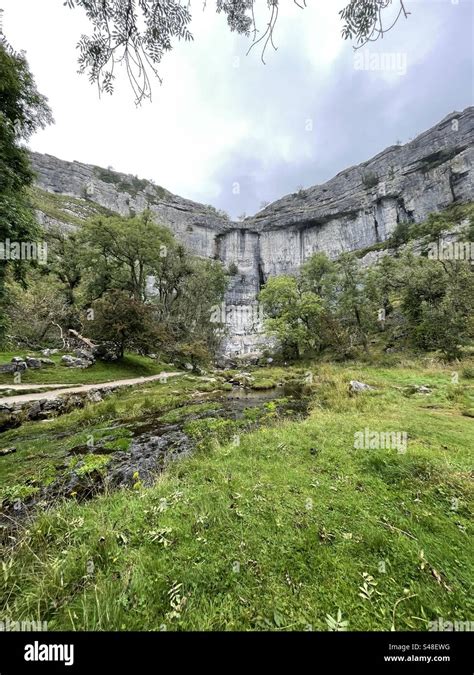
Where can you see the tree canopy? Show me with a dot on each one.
(22, 110)
(427, 305)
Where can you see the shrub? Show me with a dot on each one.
(401, 234)
(370, 179)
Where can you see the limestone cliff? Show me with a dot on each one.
(194, 224)
(356, 209)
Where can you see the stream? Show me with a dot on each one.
(154, 443)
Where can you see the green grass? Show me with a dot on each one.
(131, 184)
(89, 464)
(177, 415)
(65, 209)
(130, 366)
(275, 532)
(41, 448)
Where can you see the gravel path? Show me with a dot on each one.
(114, 384)
(32, 385)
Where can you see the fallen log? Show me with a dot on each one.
(82, 339)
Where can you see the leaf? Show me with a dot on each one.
(277, 618)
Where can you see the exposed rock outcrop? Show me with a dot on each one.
(75, 362)
(196, 225)
(356, 209)
(13, 414)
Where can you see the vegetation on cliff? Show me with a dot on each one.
(421, 300)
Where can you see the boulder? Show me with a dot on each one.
(32, 362)
(72, 362)
(6, 451)
(34, 410)
(49, 352)
(9, 421)
(73, 401)
(85, 355)
(356, 386)
(19, 364)
(94, 396)
(47, 362)
(53, 404)
(105, 352)
(422, 389)
(108, 391)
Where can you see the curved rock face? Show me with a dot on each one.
(194, 224)
(354, 210)
(363, 204)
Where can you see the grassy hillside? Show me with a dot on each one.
(281, 530)
(65, 209)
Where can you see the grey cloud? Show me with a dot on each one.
(355, 114)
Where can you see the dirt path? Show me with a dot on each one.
(32, 385)
(114, 384)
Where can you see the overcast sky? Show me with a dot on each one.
(222, 118)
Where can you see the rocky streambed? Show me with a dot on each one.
(132, 455)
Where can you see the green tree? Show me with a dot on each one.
(189, 316)
(401, 234)
(38, 313)
(353, 306)
(142, 260)
(318, 274)
(383, 282)
(22, 110)
(122, 253)
(122, 322)
(437, 301)
(293, 315)
(64, 260)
